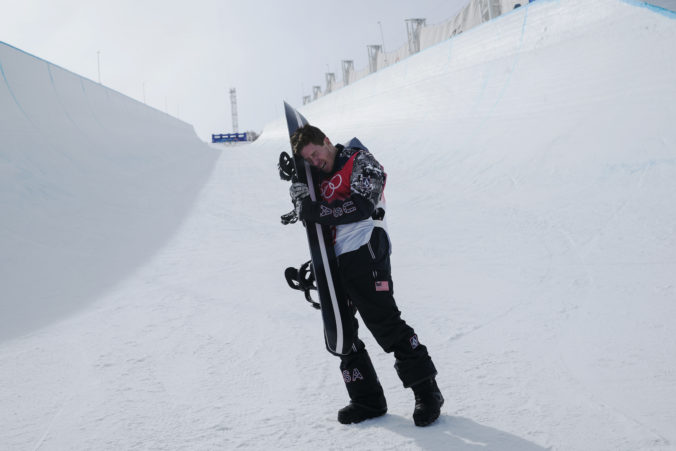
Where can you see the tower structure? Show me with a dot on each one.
(413, 27)
(374, 51)
(233, 109)
(489, 9)
(330, 81)
(348, 68)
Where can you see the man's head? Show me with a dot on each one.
(314, 147)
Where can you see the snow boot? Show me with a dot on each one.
(356, 412)
(428, 402)
(366, 394)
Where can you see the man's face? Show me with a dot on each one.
(321, 157)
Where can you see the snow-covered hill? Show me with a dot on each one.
(91, 184)
(531, 176)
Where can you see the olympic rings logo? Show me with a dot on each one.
(329, 187)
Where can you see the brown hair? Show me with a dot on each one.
(307, 134)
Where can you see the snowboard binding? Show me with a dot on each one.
(287, 171)
(302, 279)
(290, 217)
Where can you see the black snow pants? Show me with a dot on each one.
(366, 277)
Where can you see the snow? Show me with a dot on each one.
(531, 176)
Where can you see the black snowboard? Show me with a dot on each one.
(332, 299)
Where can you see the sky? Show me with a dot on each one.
(668, 4)
(184, 57)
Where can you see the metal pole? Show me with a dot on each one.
(382, 38)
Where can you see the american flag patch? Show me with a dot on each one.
(382, 285)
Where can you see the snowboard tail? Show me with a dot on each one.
(335, 308)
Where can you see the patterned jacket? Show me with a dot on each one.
(352, 197)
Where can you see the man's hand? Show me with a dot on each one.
(299, 192)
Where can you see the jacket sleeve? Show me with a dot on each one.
(367, 182)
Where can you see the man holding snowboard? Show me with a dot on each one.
(352, 184)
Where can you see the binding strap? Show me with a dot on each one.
(302, 279)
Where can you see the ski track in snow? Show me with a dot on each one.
(530, 204)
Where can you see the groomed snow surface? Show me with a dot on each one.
(531, 179)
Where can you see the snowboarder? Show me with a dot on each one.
(352, 184)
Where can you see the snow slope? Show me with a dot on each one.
(91, 184)
(531, 177)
